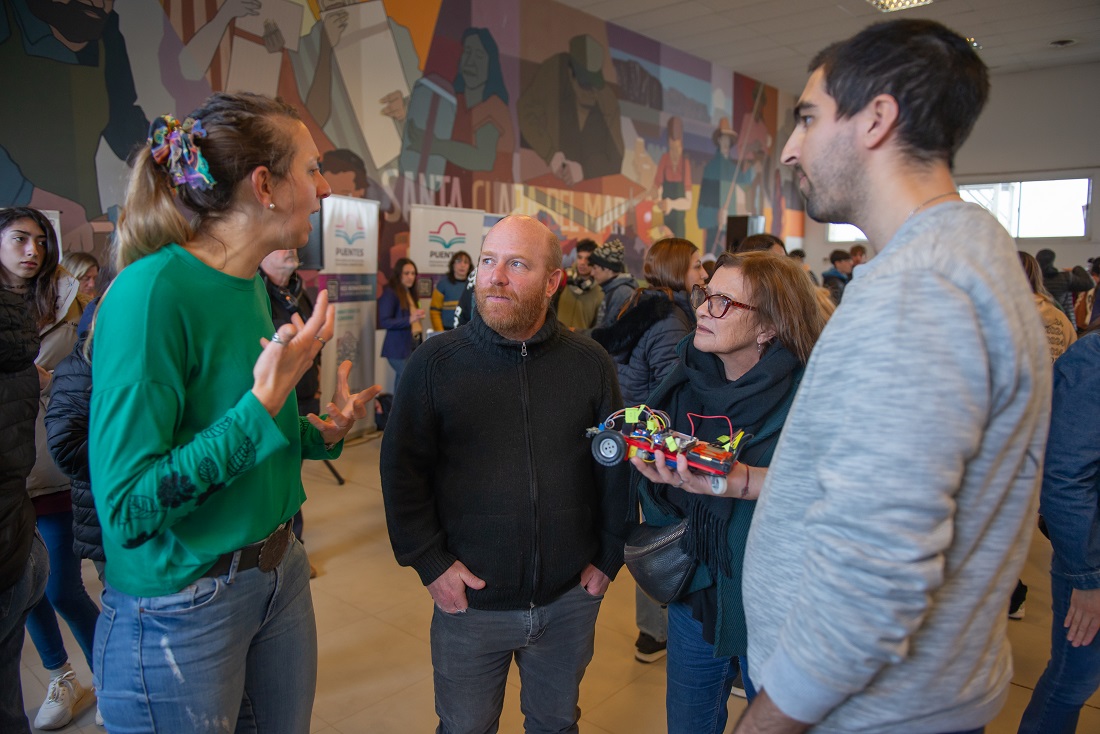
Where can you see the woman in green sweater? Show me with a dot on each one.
(195, 438)
(757, 320)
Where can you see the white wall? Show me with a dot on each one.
(1035, 123)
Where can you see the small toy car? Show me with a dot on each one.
(648, 431)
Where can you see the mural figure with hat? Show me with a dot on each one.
(674, 194)
(714, 189)
(570, 116)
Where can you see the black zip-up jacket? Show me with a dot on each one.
(18, 410)
(485, 460)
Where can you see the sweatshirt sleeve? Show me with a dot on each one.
(313, 443)
(876, 578)
(436, 309)
(407, 465)
(1071, 476)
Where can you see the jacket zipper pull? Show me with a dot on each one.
(523, 349)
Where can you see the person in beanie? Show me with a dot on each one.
(609, 269)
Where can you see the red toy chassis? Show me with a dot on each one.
(650, 431)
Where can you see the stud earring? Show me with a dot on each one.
(271, 206)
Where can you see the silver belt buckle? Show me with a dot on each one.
(274, 548)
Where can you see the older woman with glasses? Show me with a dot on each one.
(757, 322)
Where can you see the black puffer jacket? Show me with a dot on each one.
(67, 438)
(18, 410)
(643, 342)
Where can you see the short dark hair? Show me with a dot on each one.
(797, 253)
(762, 242)
(586, 245)
(858, 250)
(342, 160)
(839, 255)
(935, 75)
(1045, 258)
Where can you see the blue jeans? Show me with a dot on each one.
(699, 684)
(1071, 676)
(236, 652)
(65, 593)
(398, 366)
(552, 645)
(15, 604)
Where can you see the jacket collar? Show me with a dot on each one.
(515, 351)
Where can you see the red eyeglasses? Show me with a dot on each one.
(699, 296)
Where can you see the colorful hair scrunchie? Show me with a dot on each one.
(173, 147)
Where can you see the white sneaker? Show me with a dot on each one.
(63, 694)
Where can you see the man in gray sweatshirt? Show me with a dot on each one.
(877, 579)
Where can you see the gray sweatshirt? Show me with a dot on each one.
(878, 571)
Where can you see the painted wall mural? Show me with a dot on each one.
(504, 105)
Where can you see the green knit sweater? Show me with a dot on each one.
(186, 462)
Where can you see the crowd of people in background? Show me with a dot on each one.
(178, 472)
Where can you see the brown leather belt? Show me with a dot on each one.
(265, 555)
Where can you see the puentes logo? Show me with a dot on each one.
(351, 230)
(446, 239)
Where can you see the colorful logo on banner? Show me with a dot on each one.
(436, 233)
(350, 231)
(447, 240)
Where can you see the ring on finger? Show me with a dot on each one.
(277, 339)
(681, 482)
(322, 340)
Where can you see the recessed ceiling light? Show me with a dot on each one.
(1064, 42)
(889, 6)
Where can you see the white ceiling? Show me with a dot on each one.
(774, 40)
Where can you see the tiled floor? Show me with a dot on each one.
(373, 618)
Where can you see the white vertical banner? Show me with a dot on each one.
(349, 239)
(438, 232)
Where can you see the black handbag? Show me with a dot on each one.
(660, 567)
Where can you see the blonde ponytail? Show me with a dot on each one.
(150, 218)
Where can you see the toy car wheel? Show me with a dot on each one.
(609, 448)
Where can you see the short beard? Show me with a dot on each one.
(517, 321)
(76, 22)
(840, 187)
